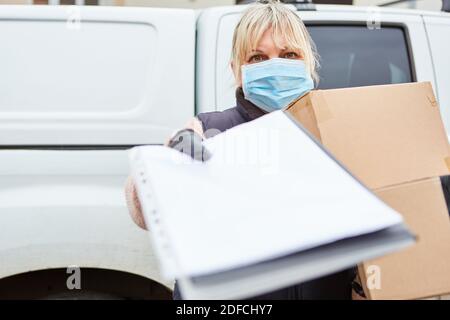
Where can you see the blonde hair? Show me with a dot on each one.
(284, 22)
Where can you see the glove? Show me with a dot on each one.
(189, 142)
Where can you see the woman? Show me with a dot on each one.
(274, 63)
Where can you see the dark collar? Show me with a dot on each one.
(246, 108)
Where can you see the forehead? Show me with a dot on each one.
(269, 40)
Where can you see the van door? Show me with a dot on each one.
(438, 31)
(94, 76)
(78, 86)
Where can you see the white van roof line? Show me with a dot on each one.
(391, 10)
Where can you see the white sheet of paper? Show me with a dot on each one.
(268, 191)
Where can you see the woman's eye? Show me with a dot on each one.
(291, 55)
(256, 58)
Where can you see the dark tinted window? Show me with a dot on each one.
(354, 56)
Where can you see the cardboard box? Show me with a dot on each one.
(392, 138)
(422, 270)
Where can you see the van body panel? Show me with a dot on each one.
(94, 75)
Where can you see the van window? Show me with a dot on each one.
(353, 56)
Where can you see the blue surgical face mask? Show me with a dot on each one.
(275, 83)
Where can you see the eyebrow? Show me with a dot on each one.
(283, 50)
(291, 49)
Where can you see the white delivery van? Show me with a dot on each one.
(81, 85)
(78, 86)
